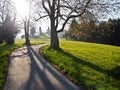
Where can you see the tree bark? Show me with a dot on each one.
(54, 40)
(54, 37)
(26, 27)
(27, 40)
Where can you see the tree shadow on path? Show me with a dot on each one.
(43, 76)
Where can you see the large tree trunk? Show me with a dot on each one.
(27, 40)
(26, 27)
(54, 37)
(54, 40)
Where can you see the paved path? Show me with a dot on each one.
(29, 71)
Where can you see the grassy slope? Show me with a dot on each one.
(93, 65)
(5, 51)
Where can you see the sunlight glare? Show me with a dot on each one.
(22, 8)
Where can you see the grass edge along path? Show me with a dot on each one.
(89, 64)
(5, 51)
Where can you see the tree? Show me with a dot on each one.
(82, 31)
(26, 22)
(107, 32)
(104, 32)
(10, 30)
(40, 31)
(61, 11)
(8, 27)
(32, 31)
(74, 32)
(26, 29)
(48, 31)
(115, 34)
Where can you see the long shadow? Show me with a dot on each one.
(83, 62)
(32, 83)
(93, 66)
(47, 85)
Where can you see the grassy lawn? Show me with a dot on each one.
(33, 41)
(96, 66)
(5, 51)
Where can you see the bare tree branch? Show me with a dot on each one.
(43, 4)
(40, 17)
(73, 16)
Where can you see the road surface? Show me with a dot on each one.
(29, 71)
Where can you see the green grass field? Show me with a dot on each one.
(5, 51)
(96, 66)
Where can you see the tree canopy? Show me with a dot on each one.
(107, 32)
(8, 26)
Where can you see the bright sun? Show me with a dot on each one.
(22, 8)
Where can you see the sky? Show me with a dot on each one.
(113, 16)
(117, 15)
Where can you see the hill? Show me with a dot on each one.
(97, 66)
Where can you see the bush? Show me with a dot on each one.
(8, 31)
